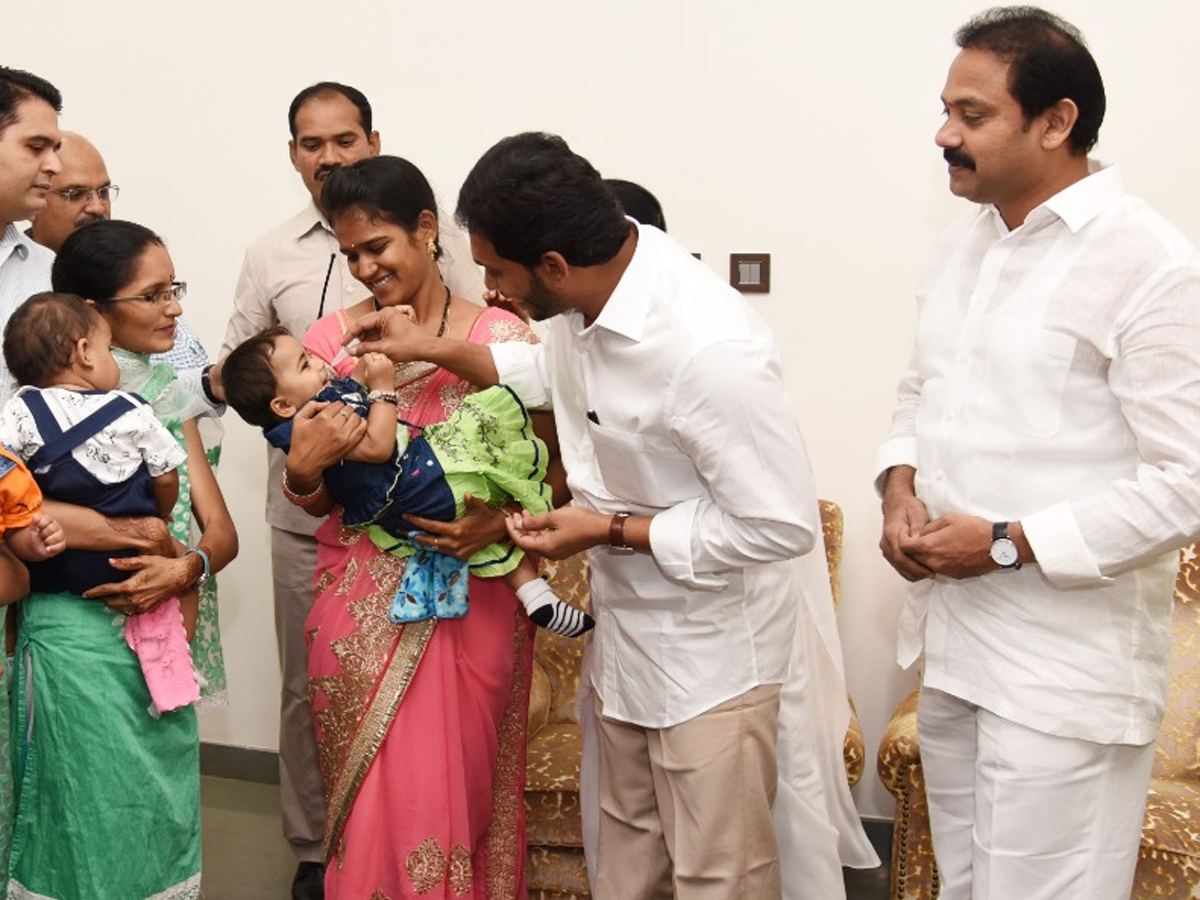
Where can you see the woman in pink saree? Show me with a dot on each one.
(421, 727)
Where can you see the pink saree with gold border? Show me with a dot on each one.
(421, 728)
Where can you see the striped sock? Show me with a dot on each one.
(551, 613)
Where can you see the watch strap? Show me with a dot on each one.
(616, 532)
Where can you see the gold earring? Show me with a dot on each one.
(431, 246)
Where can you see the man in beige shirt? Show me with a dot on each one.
(292, 276)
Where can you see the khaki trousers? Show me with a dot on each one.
(301, 792)
(685, 811)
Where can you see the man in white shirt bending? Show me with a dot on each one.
(1040, 472)
(692, 492)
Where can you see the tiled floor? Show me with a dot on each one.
(246, 857)
(872, 884)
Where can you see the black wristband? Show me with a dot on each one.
(206, 385)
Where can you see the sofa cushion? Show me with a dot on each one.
(557, 872)
(1171, 823)
(552, 819)
(552, 760)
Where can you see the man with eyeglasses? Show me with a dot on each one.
(29, 142)
(81, 193)
(292, 276)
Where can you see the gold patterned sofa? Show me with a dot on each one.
(556, 869)
(1169, 856)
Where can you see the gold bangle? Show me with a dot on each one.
(302, 500)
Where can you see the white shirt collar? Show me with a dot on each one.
(1087, 198)
(1076, 205)
(629, 304)
(12, 241)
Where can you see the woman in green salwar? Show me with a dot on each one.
(108, 794)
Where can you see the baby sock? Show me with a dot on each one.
(550, 612)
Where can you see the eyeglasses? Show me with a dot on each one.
(177, 291)
(75, 195)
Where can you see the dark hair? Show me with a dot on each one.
(387, 188)
(42, 333)
(638, 202)
(249, 382)
(1048, 62)
(17, 86)
(99, 259)
(530, 194)
(326, 89)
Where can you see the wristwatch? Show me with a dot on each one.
(1004, 551)
(616, 534)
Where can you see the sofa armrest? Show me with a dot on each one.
(914, 870)
(899, 749)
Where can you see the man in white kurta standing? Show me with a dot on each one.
(292, 276)
(692, 493)
(1041, 470)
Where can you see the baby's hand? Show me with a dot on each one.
(48, 535)
(380, 373)
(40, 540)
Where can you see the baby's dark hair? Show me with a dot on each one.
(249, 381)
(41, 335)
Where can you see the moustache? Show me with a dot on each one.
(323, 172)
(89, 218)
(957, 157)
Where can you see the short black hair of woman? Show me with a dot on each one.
(42, 333)
(1047, 62)
(386, 188)
(531, 194)
(329, 89)
(99, 259)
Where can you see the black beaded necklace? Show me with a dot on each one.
(445, 312)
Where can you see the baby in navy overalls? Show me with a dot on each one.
(91, 445)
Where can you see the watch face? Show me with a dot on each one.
(1004, 552)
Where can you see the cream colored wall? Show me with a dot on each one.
(803, 129)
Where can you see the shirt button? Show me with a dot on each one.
(349, 289)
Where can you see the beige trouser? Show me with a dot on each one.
(301, 794)
(685, 811)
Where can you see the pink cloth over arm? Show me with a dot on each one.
(160, 642)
